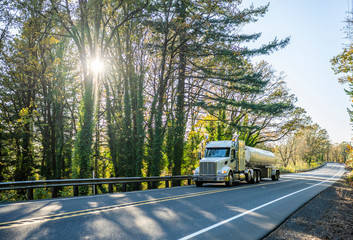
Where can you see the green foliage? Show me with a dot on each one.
(342, 66)
(41, 193)
(349, 159)
(11, 196)
(287, 169)
(351, 177)
(342, 63)
(300, 165)
(66, 192)
(193, 146)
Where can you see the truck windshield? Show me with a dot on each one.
(217, 152)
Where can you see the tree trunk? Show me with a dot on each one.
(180, 93)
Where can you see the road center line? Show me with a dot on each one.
(53, 217)
(47, 218)
(253, 210)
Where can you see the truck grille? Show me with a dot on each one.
(208, 168)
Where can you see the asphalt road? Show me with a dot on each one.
(245, 211)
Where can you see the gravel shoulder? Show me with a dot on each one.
(329, 215)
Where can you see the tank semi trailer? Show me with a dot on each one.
(232, 161)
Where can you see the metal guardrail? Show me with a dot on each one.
(310, 169)
(54, 184)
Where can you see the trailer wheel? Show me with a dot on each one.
(230, 181)
(198, 183)
(275, 177)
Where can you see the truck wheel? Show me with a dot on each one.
(250, 178)
(230, 181)
(199, 184)
(258, 176)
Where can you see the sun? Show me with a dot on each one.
(97, 66)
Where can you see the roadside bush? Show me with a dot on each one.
(286, 170)
(350, 178)
(66, 192)
(11, 196)
(349, 160)
(300, 165)
(41, 193)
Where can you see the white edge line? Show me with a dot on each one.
(252, 210)
(7, 204)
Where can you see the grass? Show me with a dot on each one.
(290, 168)
(349, 178)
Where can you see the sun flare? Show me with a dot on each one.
(97, 66)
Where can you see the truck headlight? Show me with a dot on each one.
(222, 172)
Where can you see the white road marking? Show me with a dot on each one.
(103, 195)
(253, 210)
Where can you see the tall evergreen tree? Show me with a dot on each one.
(180, 121)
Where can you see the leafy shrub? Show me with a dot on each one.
(41, 193)
(66, 192)
(11, 196)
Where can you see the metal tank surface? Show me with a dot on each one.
(254, 156)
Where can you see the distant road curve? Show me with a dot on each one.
(245, 211)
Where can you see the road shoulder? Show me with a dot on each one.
(326, 216)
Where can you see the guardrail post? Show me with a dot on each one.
(75, 191)
(54, 192)
(110, 188)
(29, 193)
(189, 181)
(124, 187)
(166, 184)
(94, 189)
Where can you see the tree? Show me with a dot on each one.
(287, 149)
(126, 84)
(314, 144)
(88, 23)
(19, 81)
(342, 64)
(269, 114)
(340, 152)
(7, 19)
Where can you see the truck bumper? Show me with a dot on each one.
(210, 179)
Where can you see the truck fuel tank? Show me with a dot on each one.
(255, 156)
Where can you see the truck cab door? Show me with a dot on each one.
(234, 160)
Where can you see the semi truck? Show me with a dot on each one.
(231, 161)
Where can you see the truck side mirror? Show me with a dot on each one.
(200, 155)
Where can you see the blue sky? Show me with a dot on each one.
(317, 35)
